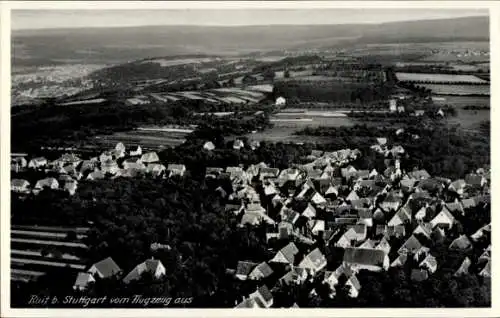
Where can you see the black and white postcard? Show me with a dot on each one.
(212, 157)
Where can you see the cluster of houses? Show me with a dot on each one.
(107, 268)
(358, 211)
(69, 169)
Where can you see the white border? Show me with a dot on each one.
(5, 8)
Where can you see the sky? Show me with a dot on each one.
(43, 19)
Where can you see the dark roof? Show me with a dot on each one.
(107, 267)
(412, 244)
(265, 293)
(473, 179)
(419, 275)
(364, 256)
(265, 269)
(461, 243)
(289, 251)
(245, 267)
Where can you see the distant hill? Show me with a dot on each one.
(115, 45)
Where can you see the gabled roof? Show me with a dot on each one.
(419, 174)
(107, 267)
(19, 183)
(148, 266)
(429, 261)
(264, 268)
(400, 260)
(473, 179)
(468, 203)
(83, 279)
(464, 267)
(150, 157)
(412, 245)
(289, 251)
(364, 256)
(265, 293)
(367, 244)
(461, 243)
(245, 267)
(316, 257)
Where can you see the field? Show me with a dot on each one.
(443, 89)
(149, 139)
(470, 119)
(36, 250)
(286, 123)
(461, 101)
(438, 78)
(217, 95)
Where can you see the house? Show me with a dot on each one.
(368, 244)
(454, 207)
(354, 286)
(400, 260)
(153, 266)
(365, 217)
(419, 275)
(481, 232)
(265, 173)
(475, 180)
(209, 146)
(366, 258)
(297, 275)
(384, 245)
(318, 199)
(176, 170)
(382, 141)
(401, 217)
(71, 186)
(105, 268)
(109, 166)
(150, 157)
(464, 267)
(19, 185)
(156, 169)
(238, 144)
(395, 231)
(120, 150)
(461, 243)
(248, 303)
(391, 202)
(468, 203)
(356, 233)
(421, 214)
(353, 196)
(18, 163)
(347, 170)
(412, 245)
(96, 175)
(280, 101)
(314, 262)
(457, 186)
(255, 219)
(261, 271)
(133, 164)
(316, 226)
(419, 174)
(286, 254)
(407, 184)
(82, 281)
(424, 229)
(244, 268)
(105, 156)
(50, 183)
(309, 211)
(443, 218)
(262, 297)
(136, 152)
(429, 263)
(486, 271)
(37, 163)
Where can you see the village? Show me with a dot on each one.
(325, 202)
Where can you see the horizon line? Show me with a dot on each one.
(238, 25)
